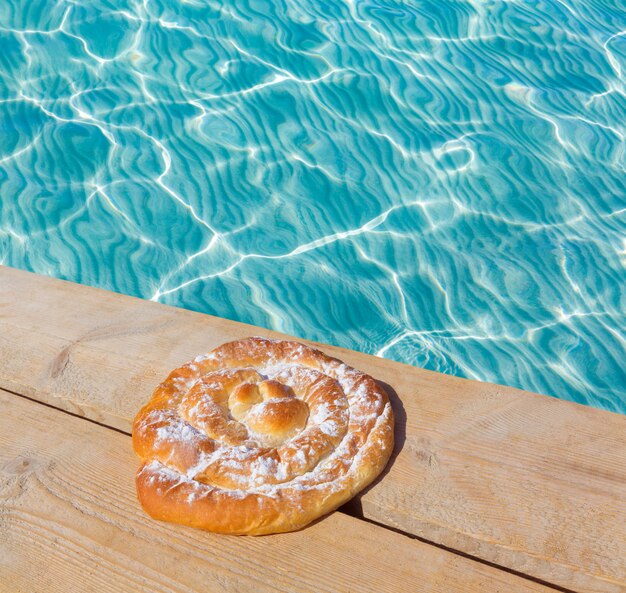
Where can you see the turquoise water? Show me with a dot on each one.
(441, 183)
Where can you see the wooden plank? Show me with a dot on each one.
(521, 480)
(70, 521)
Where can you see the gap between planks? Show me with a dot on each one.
(346, 509)
(70, 522)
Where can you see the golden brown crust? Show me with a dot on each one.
(260, 436)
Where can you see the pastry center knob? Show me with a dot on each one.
(269, 409)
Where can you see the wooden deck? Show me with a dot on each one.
(490, 488)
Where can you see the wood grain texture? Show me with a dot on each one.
(522, 480)
(70, 522)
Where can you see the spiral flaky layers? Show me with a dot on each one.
(260, 436)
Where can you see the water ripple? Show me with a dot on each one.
(440, 183)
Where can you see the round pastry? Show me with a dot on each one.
(260, 436)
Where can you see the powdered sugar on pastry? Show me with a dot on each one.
(260, 436)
